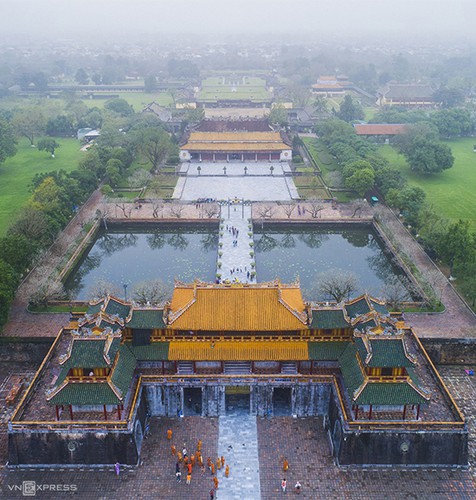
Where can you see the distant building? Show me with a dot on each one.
(407, 95)
(331, 85)
(380, 132)
(235, 140)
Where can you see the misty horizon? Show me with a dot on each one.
(430, 20)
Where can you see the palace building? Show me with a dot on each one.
(257, 347)
(235, 140)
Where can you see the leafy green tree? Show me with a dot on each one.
(278, 116)
(8, 284)
(119, 106)
(466, 273)
(92, 163)
(408, 200)
(349, 110)
(361, 181)
(155, 145)
(81, 76)
(432, 229)
(17, 251)
(428, 157)
(458, 245)
(113, 171)
(48, 144)
(29, 122)
(59, 126)
(7, 141)
(150, 83)
(453, 122)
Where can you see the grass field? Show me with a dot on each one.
(138, 99)
(17, 172)
(320, 155)
(453, 191)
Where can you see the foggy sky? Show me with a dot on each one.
(120, 18)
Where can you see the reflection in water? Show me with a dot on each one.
(290, 252)
(128, 257)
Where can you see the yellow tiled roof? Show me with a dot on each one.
(235, 146)
(263, 307)
(238, 351)
(235, 137)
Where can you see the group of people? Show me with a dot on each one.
(196, 459)
(297, 486)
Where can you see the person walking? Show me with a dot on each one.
(189, 478)
(212, 494)
(297, 488)
(178, 473)
(283, 485)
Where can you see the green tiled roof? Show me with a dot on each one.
(390, 393)
(115, 307)
(124, 370)
(93, 309)
(351, 371)
(326, 351)
(156, 351)
(328, 319)
(357, 308)
(89, 353)
(86, 394)
(381, 309)
(147, 318)
(386, 353)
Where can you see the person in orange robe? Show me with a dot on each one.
(285, 465)
(199, 445)
(174, 449)
(227, 471)
(169, 434)
(179, 456)
(215, 482)
(218, 464)
(192, 459)
(222, 461)
(212, 468)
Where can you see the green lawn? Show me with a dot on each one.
(321, 156)
(252, 88)
(138, 99)
(453, 191)
(17, 172)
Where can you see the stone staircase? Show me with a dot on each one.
(237, 367)
(185, 368)
(289, 368)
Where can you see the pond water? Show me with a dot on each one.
(133, 255)
(303, 251)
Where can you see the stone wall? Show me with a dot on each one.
(425, 447)
(24, 350)
(451, 351)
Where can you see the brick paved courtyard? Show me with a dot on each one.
(301, 441)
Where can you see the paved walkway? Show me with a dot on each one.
(264, 181)
(238, 442)
(237, 265)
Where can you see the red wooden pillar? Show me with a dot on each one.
(404, 411)
(119, 412)
(280, 366)
(175, 366)
(418, 412)
(222, 366)
(370, 413)
(105, 412)
(312, 363)
(252, 367)
(299, 367)
(193, 366)
(57, 412)
(356, 412)
(71, 412)
(162, 367)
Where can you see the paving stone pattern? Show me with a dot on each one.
(238, 443)
(236, 261)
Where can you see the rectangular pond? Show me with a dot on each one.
(130, 255)
(288, 251)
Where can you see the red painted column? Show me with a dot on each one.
(57, 412)
(71, 412)
(418, 412)
(404, 411)
(370, 413)
(105, 412)
(356, 412)
(119, 412)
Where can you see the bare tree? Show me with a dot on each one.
(41, 288)
(156, 208)
(211, 210)
(336, 283)
(151, 292)
(289, 209)
(358, 206)
(176, 210)
(266, 211)
(126, 209)
(140, 178)
(397, 292)
(315, 208)
(102, 289)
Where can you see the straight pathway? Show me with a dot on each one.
(238, 443)
(237, 259)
